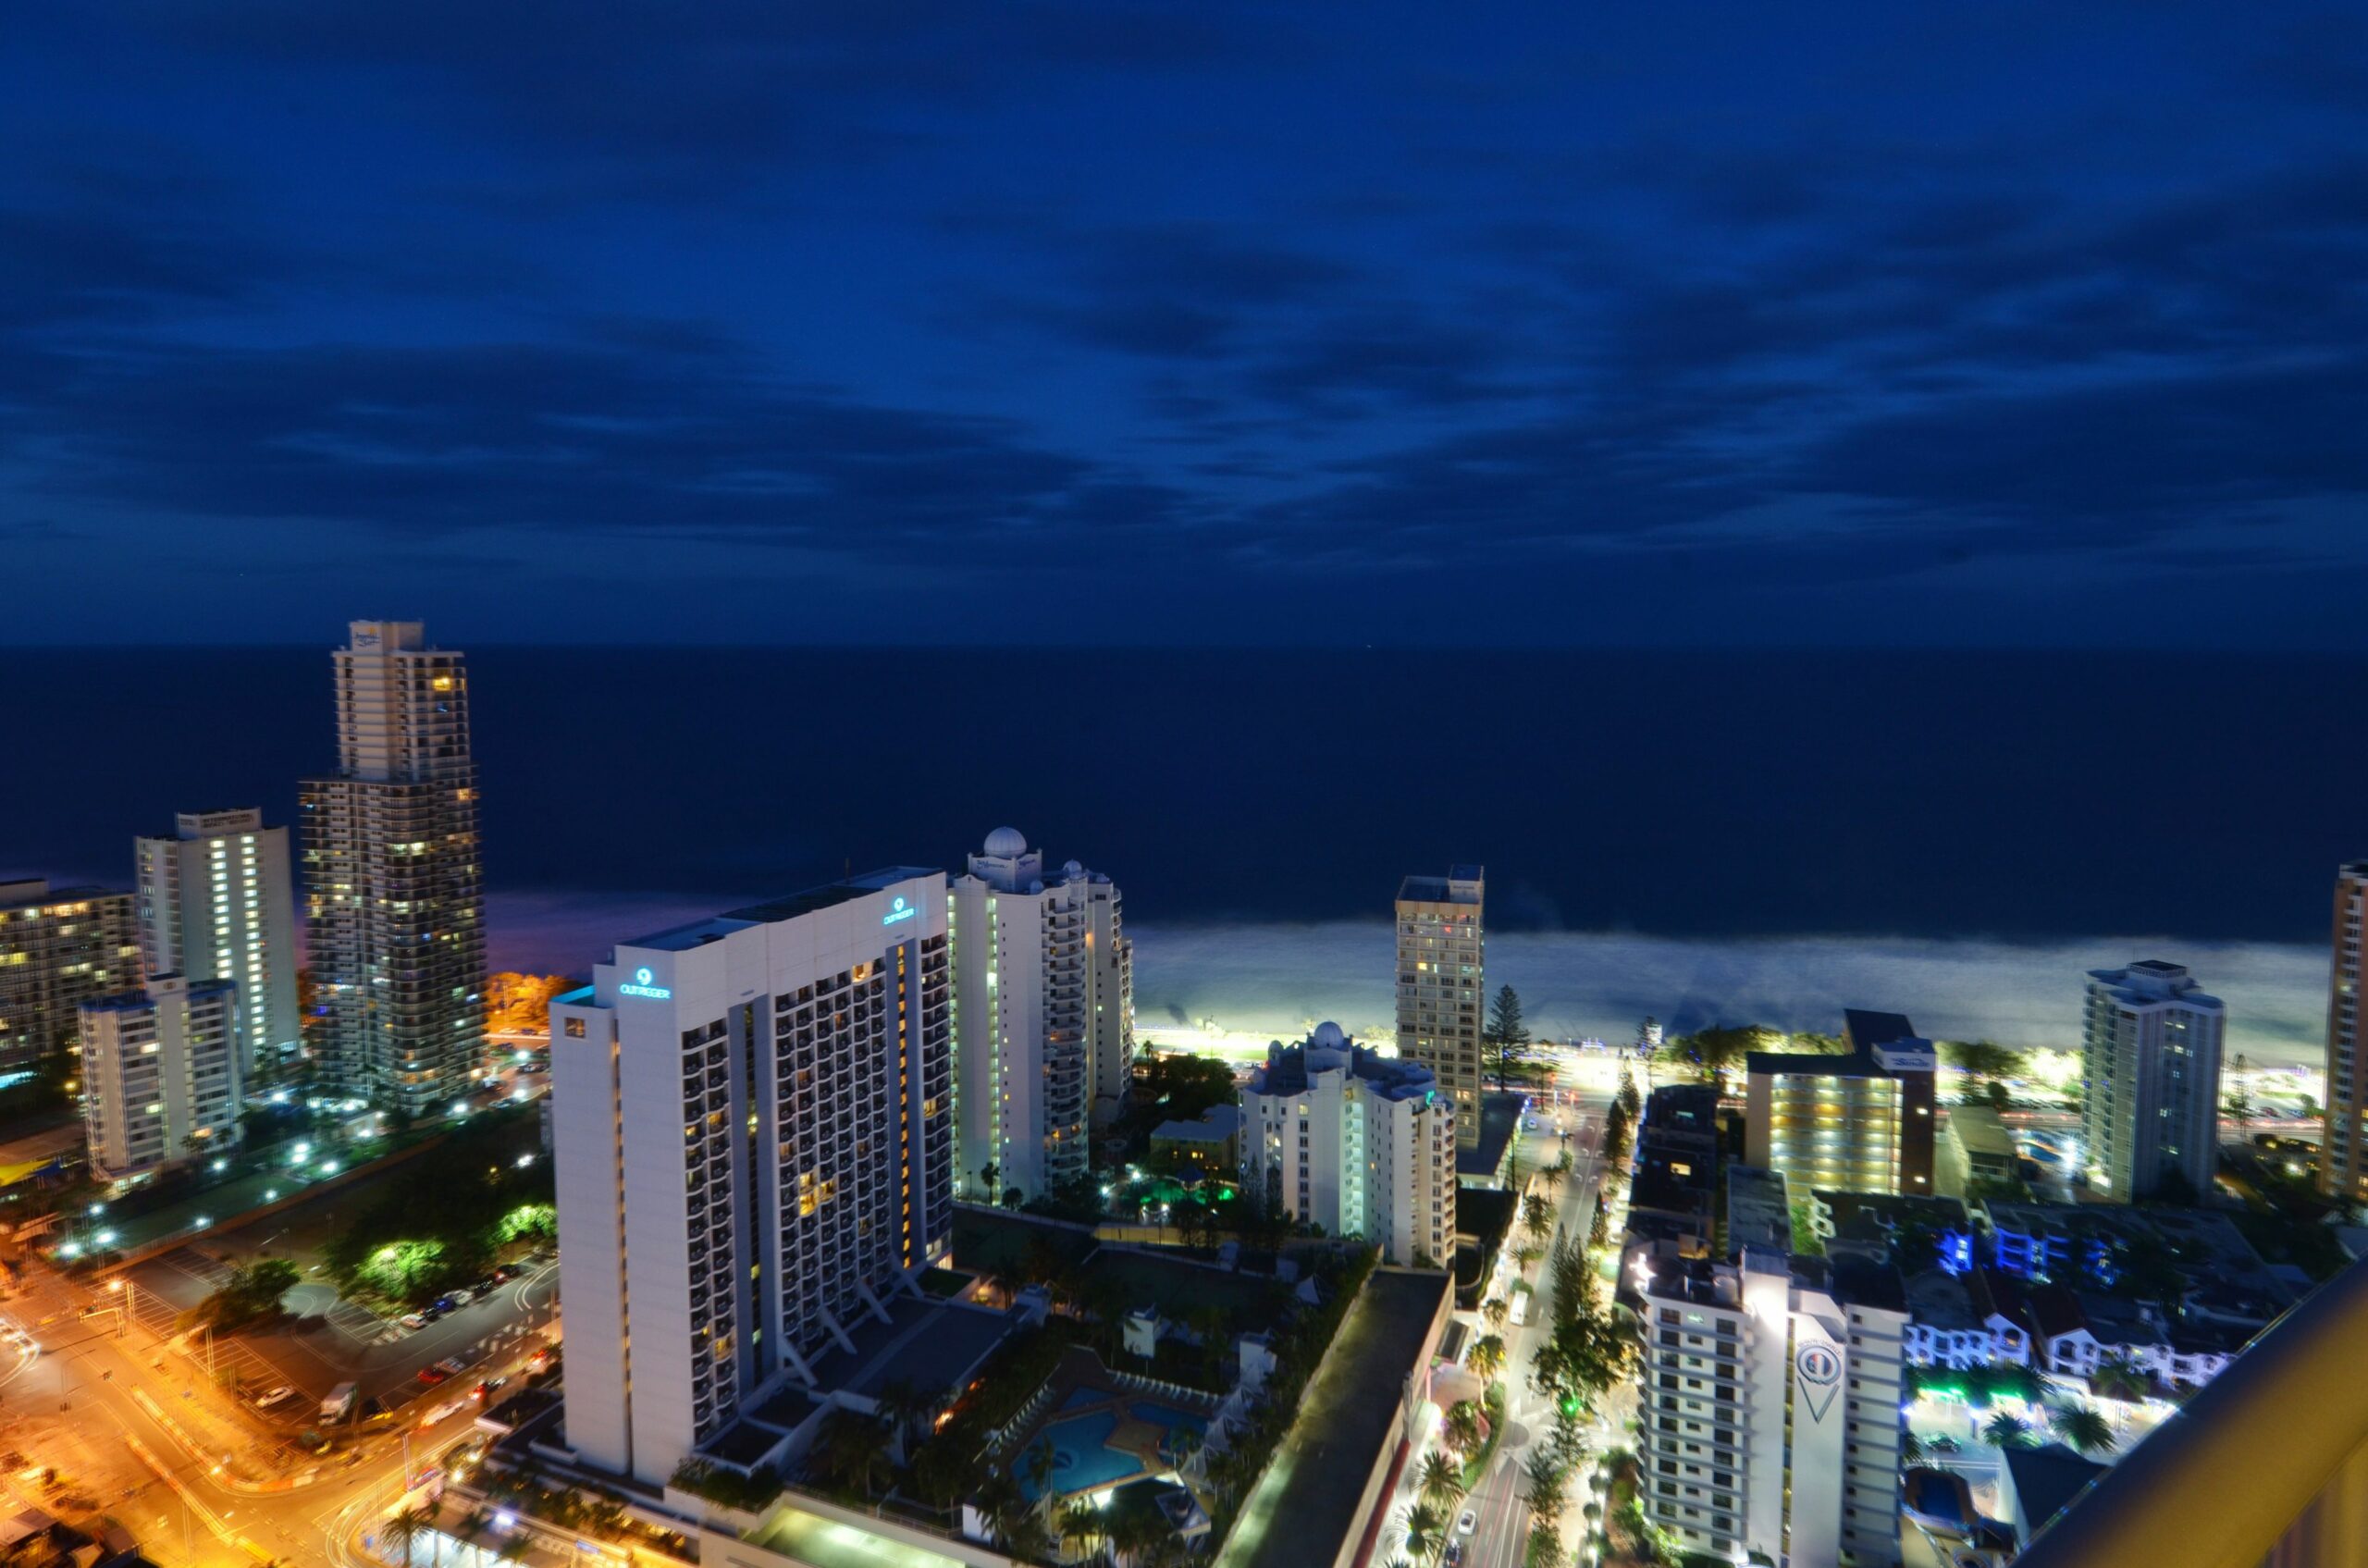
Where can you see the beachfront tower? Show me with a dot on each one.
(2149, 1049)
(1440, 963)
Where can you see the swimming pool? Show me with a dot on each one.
(1082, 1457)
(1167, 1415)
(1082, 1397)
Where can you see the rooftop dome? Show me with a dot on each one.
(1004, 842)
(1329, 1035)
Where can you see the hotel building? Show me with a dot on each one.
(1360, 1145)
(753, 1126)
(1441, 970)
(1859, 1123)
(1043, 1017)
(2150, 1046)
(215, 903)
(394, 895)
(59, 948)
(164, 1073)
(2343, 1167)
(1748, 1364)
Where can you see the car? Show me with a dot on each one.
(431, 1376)
(452, 1365)
(1469, 1523)
(441, 1412)
(1454, 1557)
(504, 1274)
(1942, 1444)
(272, 1399)
(443, 1305)
(414, 1320)
(461, 1298)
(486, 1387)
(311, 1441)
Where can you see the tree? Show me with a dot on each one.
(989, 1175)
(2006, 1431)
(1041, 1463)
(1495, 1312)
(2118, 1379)
(1546, 1479)
(1627, 1099)
(1506, 1036)
(250, 1295)
(518, 1004)
(402, 1528)
(1441, 1477)
(850, 1450)
(1461, 1431)
(1983, 1060)
(1536, 1216)
(2238, 1104)
(1080, 1522)
(1486, 1357)
(1425, 1530)
(2084, 1428)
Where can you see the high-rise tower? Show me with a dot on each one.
(1044, 1010)
(1439, 974)
(59, 948)
(2342, 1173)
(2151, 1058)
(215, 903)
(753, 1125)
(394, 892)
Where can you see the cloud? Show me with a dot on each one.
(1278, 980)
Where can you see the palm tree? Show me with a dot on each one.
(1536, 1216)
(1441, 1477)
(2006, 1431)
(1496, 1312)
(1462, 1430)
(1080, 1522)
(1911, 1447)
(402, 1529)
(1425, 1527)
(1040, 1465)
(1486, 1357)
(515, 1548)
(2118, 1379)
(2084, 1428)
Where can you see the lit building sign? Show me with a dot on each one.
(899, 910)
(639, 986)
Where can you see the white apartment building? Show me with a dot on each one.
(164, 1072)
(1359, 1143)
(1441, 975)
(215, 902)
(1044, 1015)
(2150, 1056)
(1742, 1364)
(753, 1126)
(394, 893)
(2343, 1170)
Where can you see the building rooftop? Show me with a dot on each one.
(830, 894)
(1760, 1212)
(1981, 1130)
(1865, 1029)
(140, 1001)
(1289, 1070)
(1461, 885)
(1216, 1124)
(1315, 1487)
(2047, 1479)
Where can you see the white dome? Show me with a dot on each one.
(1329, 1035)
(1004, 842)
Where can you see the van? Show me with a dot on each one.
(339, 1405)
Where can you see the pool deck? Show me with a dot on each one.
(1083, 1389)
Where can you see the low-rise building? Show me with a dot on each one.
(1955, 1321)
(1976, 1148)
(1674, 1193)
(1359, 1143)
(1212, 1144)
(1759, 1211)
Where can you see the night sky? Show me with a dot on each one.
(1663, 325)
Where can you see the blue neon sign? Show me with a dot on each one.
(639, 986)
(900, 910)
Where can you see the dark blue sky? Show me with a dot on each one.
(1997, 324)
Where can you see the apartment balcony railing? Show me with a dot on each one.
(2266, 1468)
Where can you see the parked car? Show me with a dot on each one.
(415, 1320)
(272, 1399)
(431, 1376)
(452, 1365)
(444, 1305)
(461, 1298)
(1469, 1523)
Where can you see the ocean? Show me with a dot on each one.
(1734, 836)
